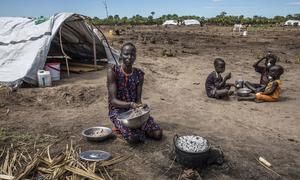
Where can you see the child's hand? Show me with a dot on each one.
(228, 76)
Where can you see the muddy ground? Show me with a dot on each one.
(176, 62)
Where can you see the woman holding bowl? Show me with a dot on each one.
(125, 84)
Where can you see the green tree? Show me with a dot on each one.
(296, 16)
(124, 20)
(288, 17)
(220, 19)
(116, 17)
(223, 14)
(278, 19)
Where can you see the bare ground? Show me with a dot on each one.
(176, 62)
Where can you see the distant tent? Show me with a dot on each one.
(238, 27)
(190, 22)
(170, 22)
(292, 23)
(26, 42)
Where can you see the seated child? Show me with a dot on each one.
(272, 91)
(270, 60)
(215, 85)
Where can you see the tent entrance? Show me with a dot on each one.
(77, 48)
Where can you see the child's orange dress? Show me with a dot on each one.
(273, 97)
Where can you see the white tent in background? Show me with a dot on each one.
(292, 23)
(190, 22)
(170, 22)
(25, 44)
(238, 27)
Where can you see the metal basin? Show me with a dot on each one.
(243, 92)
(134, 121)
(97, 133)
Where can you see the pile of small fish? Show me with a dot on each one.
(98, 133)
(192, 143)
(136, 112)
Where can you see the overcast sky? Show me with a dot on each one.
(207, 8)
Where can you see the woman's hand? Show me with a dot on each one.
(142, 105)
(134, 105)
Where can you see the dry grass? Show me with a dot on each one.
(66, 165)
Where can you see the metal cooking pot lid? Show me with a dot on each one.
(95, 155)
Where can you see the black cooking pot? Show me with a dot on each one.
(190, 159)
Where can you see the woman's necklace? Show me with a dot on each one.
(126, 75)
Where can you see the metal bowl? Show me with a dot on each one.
(134, 122)
(95, 155)
(243, 92)
(92, 133)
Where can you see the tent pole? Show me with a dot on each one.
(62, 50)
(94, 49)
(67, 64)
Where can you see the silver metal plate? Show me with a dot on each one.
(95, 155)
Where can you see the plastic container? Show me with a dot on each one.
(54, 69)
(44, 78)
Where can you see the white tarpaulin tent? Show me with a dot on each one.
(25, 44)
(190, 22)
(238, 27)
(170, 22)
(292, 23)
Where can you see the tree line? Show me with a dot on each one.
(221, 19)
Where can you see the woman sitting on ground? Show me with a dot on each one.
(125, 85)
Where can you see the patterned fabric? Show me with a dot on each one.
(127, 91)
(264, 97)
(264, 74)
(277, 91)
(211, 83)
(273, 97)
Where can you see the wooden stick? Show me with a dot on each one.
(48, 153)
(28, 169)
(94, 50)
(94, 167)
(5, 166)
(268, 168)
(180, 174)
(170, 166)
(62, 50)
(12, 164)
(107, 174)
(83, 173)
(101, 173)
(6, 177)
